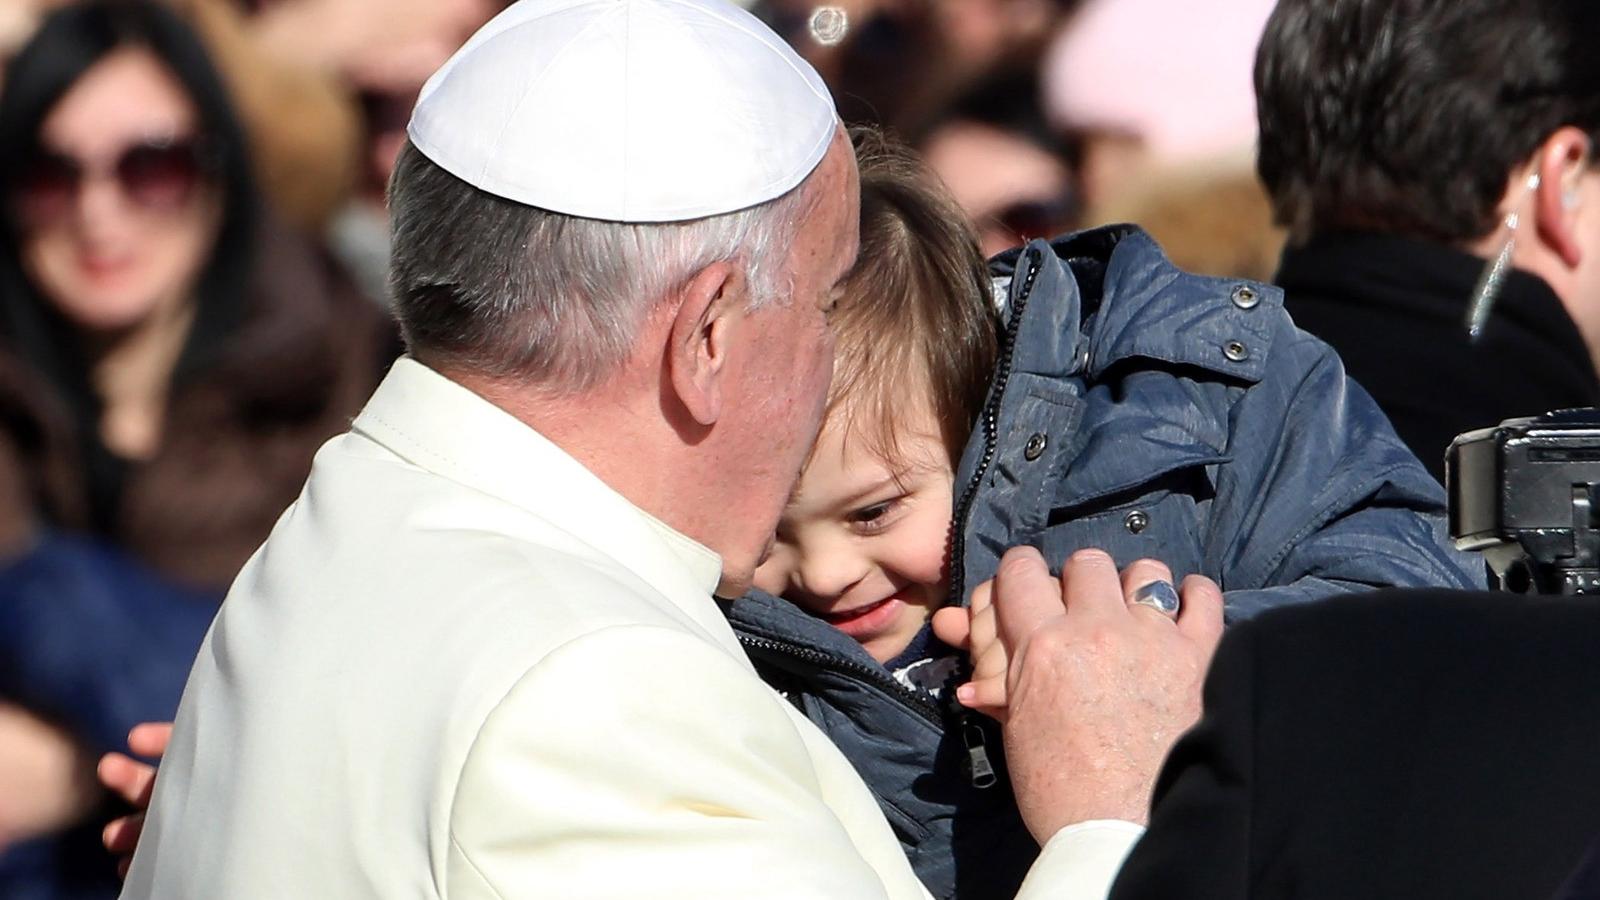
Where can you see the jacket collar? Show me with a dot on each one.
(440, 426)
(1117, 297)
(763, 615)
(1110, 295)
(1428, 280)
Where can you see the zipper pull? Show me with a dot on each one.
(978, 766)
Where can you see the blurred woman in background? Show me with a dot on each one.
(181, 357)
(170, 359)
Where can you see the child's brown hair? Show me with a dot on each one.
(917, 313)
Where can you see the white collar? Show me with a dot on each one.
(438, 425)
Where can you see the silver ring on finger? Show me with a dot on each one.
(1160, 596)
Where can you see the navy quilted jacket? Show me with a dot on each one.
(1150, 413)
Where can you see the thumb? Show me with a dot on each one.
(1025, 595)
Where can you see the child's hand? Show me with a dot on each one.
(974, 630)
(133, 781)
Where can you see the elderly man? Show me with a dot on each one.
(480, 657)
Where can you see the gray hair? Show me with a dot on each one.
(511, 290)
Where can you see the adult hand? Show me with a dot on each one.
(1096, 688)
(133, 781)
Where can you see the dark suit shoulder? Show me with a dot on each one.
(1383, 635)
(1394, 744)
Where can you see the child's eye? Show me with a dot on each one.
(869, 519)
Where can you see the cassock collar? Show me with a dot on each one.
(441, 426)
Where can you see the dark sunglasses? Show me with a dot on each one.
(156, 176)
(1031, 219)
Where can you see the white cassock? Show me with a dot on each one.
(463, 667)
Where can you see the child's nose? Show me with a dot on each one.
(829, 576)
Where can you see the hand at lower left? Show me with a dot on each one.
(133, 781)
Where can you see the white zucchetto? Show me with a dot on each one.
(626, 110)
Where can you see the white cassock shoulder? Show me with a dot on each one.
(641, 761)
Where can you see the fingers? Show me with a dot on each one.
(1141, 572)
(984, 629)
(1024, 595)
(987, 696)
(986, 691)
(989, 658)
(133, 781)
(1005, 612)
(1200, 619)
(1090, 584)
(1143, 576)
(951, 625)
(122, 835)
(982, 597)
(150, 738)
(127, 778)
(971, 628)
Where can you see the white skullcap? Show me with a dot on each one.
(626, 110)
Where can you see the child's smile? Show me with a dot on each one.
(862, 543)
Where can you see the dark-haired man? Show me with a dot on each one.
(1413, 744)
(1404, 145)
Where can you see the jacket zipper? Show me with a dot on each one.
(980, 769)
(881, 678)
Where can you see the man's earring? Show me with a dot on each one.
(1569, 199)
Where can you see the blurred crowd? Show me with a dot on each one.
(193, 260)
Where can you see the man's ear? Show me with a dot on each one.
(1563, 159)
(709, 307)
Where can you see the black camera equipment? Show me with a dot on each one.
(1527, 494)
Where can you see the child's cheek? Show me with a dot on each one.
(772, 575)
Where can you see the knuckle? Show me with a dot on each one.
(1015, 566)
(1105, 641)
(1150, 565)
(1051, 640)
(1091, 557)
(1021, 552)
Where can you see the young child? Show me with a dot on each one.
(1119, 403)
(863, 542)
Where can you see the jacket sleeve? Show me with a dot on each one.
(643, 762)
(1332, 501)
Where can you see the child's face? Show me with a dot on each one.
(863, 543)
